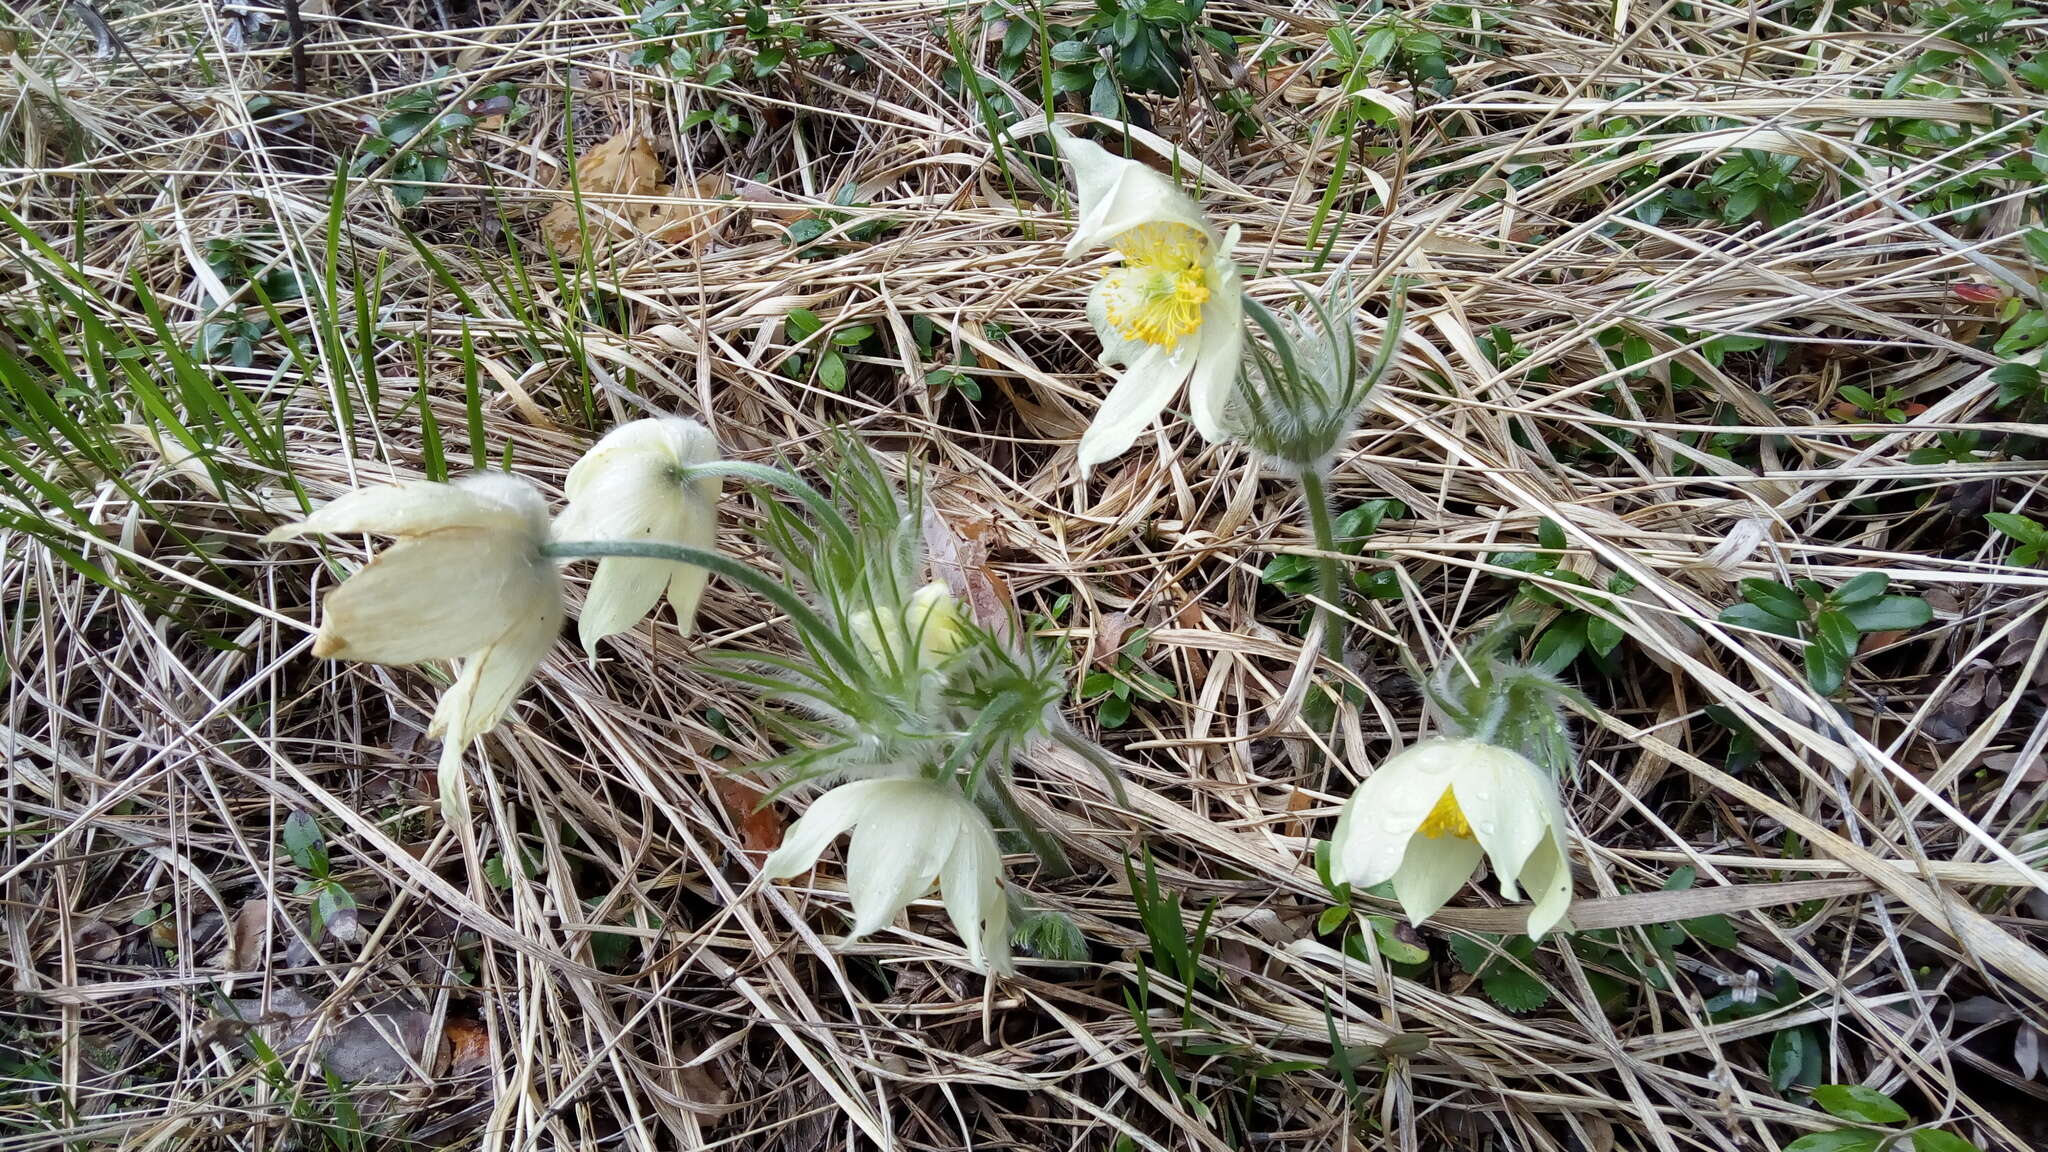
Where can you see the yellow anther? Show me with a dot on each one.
(1157, 294)
(1446, 819)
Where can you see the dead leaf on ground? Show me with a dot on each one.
(242, 945)
(760, 827)
(959, 556)
(96, 941)
(616, 179)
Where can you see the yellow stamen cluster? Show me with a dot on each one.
(1157, 294)
(1446, 819)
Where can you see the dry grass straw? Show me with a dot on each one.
(148, 770)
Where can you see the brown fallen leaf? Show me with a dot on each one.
(242, 945)
(96, 941)
(760, 826)
(616, 180)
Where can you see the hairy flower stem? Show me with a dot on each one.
(1329, 573)
(1040, 842)
(811, 625)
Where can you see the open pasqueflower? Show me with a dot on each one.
(1428, 816)
(633, 485)
(907, 835)
(1171, 313)
(466, 581)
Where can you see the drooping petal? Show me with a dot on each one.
(971, 887)
(413, 508)
(828, 816)
(1117, 195)
(1383, 815)
(1432, 871)
(1220, 353)
(492, 679)
(896, 856)
(1140, 395)
(700, 530)
(450, 782)
(435, 597)
(1547, 876)
(624, 589)
(1502, 796)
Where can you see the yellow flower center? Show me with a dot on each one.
(1446, 819)
(1156, 294)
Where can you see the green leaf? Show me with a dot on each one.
(304, 843)
(1105, 99)
(1331, 919)
(1833, 629)
(1603, 634)
(1113, 712)
(1472, 953)
(832, 371)
(1890, 613)
(1774, 598)
(1550, 534)
(801, 322)
(1857, 589)
(1714, 930)
(1860, 1104)
(1751, 616)
(1840, 1140)
(1936, 1140)
(1825, 668)
(1788, 1057)
(1069, 51)
(1515, 990)
(2024, 529)
(1560, 644)
(1387, 934)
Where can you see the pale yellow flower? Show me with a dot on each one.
(1171, 313)
(1429, 815)
(631, 486)
(931, 628)
(907, 835)
(466, 581)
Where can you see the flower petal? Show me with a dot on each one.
(1116, 348)
(971, 886)
(1547, 875)
(1503, 797)
(895, 860)
(1118, 195)
(1383, 815)
(413, 508)
(1432, 871)
(670, 440)
(1221, 352)
(491, 680)
(1140, 394)
(625, 589)
(828, 816)
(399, 609)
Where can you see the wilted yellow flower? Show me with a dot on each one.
(930, 630)
(1425, 819)
(632, 486)
(1172, 313)
(907, 835)
(466, 581)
